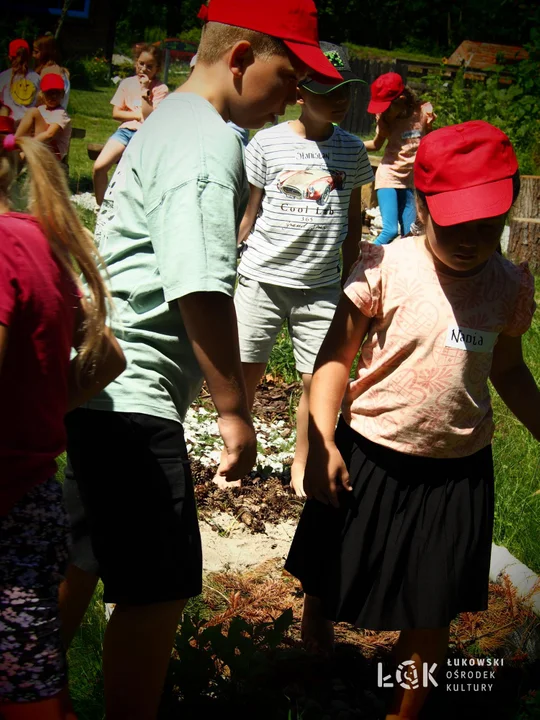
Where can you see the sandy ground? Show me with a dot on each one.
(228, 544)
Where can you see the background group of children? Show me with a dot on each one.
(396, 531)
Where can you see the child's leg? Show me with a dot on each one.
(312, 311)
(388, 203)
(136, 654)
(423, 647)
(55, 708)
(317, 631)
(407, 210)
(76, 591)
(111, 154)
(141, 514)
(301, 452)
(33, 554)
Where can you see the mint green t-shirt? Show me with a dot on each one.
(168, 228)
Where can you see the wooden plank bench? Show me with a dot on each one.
(93, 150)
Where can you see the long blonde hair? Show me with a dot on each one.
(72, 245)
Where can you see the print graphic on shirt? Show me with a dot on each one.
(310, 184)
(471, 340)
(411, 134)
(23, 91)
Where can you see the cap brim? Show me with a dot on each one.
(319, 88)
(473, 203)
(375, 107)
(319, 66)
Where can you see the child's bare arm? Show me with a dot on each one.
(122, 115)
(82, 386)
(326, 472)
(350, 248)
(377, 142)
(210, 321)
(146, 108)
(515, 384)
(48, 134)
(333, 366)
(255, 199)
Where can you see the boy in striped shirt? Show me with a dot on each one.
(305, 207)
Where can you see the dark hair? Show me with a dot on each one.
(19, 63)
(516, 185)
(411, 100)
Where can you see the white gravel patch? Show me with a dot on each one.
(204, 441)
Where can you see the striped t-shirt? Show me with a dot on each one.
(303, 219)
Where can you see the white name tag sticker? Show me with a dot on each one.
(471, 340)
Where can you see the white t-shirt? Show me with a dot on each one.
(303, 219)
(60, 117)
(19, 93)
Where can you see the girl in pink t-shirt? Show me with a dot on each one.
(43, 316)
(402, 120)
(136, 98)
(397, 532)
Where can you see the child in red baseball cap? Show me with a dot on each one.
(168, 227)
(402, 120)
(49, 122)
(397, 531)
(19, 85)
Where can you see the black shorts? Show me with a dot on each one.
(129, 495)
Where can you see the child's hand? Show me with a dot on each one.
(326, 473)
(144, 81)
(240, 451)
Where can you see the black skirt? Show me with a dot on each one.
(410, 547)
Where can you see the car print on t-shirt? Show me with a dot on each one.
(310, 184)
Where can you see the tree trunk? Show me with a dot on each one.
(63, 14)
(524, 244)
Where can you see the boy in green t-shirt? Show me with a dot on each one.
(167, 230)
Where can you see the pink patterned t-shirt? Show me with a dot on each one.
(128, 97)
(404, 135)
(421, 385)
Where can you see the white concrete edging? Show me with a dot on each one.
(521, 577)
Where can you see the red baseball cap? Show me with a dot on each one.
(465, 172)
(15, 45)
(51, 81)
(7, 124)
(292, 21)
(384, 90)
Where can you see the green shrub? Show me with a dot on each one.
(89, 73)
(154, 34)
(192, 36)
(513, 106)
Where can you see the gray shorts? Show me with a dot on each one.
(262, 309)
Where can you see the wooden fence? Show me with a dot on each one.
(358, 120)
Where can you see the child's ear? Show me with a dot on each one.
(421, 210)
(299, 99)
(240, 58)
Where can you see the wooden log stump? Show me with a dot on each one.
(524, 243)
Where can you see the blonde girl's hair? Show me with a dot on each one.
(72, 245)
